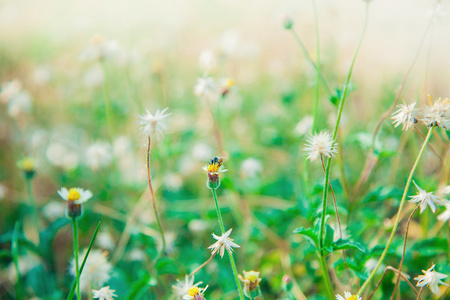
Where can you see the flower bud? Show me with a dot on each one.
(28, 165)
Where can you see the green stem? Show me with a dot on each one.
(222, 228)
(400, 209)
(316, 98)
(75, 251)
(32, 204)
(15, 256)
(329, 289)
(109, 112)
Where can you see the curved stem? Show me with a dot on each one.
(402, 204)
(203, 265)
(404, 250)
(152, 193)
(75, 251)
(222, 228)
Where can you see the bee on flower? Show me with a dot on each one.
(251, 281)
(348, 296)
(214, 168)
(195, 293)
(431, 279)
(74, 197)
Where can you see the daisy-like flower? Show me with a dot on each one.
(223, 242)
(406, 115)
(437, 114)
(445, 216)
(105, 293)
(251, 281)
(154, 124)
(348, 296)
(74, 197)
(425, 199)
(320, 144)
(182, 288)
(214, 168)
(195, 293)
(432, 279)
(96, 271)
(206, 87)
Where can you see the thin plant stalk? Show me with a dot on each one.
(420, 293)
(400, 209)
(404, 251)
(326, 276)
(152, 193)
(107, 96)
(75, 251)
(203, 265)
(74, 284)
(389, 268)
(222, 228)
(32, 201)
(15, 256)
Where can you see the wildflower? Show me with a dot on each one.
(223, 242)
(348, 296)
(205, 87)
(214, 168)
(251, 281)
(320, 144)
(96, 271)
(195, 293)
(437, 114)
(425, 199)
(105, 293)
(445, 216)
(182, 288)
(98, 155)
(74, 197)
(154, 124)
(226, 86)
(432, 279)
(406, 115)
(28, 165)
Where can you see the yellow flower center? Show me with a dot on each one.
(229, 83)
(193, 291)
(251, 276)
(73, 195)
(352, 297)
(213, 168)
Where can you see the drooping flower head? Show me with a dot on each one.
(406, 115)
(425, 199)
(251, 281)
(74, 197)
(154, 124)
(105, 293)
(214, 168)
(348, 296)
(432, 279)
(224, 242)
(320, 144)
(182, 288)
(437, 115)
(195, 293)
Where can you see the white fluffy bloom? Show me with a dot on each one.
(445, 216)
(99, 155)
(105, 241)
(206, 87)
(432, 279)
(425, 199)
(207, 60)
(406, 115)
(182, 287)
(223, 242)
(136, 254)
(96, 271)
(105, 293)
(320, 144)
(77, 195)
(348, 296)
(154, 124)
(437, 114)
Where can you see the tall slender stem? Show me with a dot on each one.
(32, 201)
(222, 228)
(400, 209)
(323, 265)
(152, 193)
(75, 252)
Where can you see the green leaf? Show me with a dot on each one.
(336, 98)
(347, 244)
(166, 266)
(310, 235)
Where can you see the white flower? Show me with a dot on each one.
(445, 216)
(136, 254)
(206, 87)
(223, 242)
(437, 114)
(105, 293)
(348, 296)
(181, 288)
(98, 155)
(96, 271)
(431, 279)
(206, 60)
(251, 167)
(53, 210)
(406, 115)
(195, 293)
(77, 195)
(425, 199)
(154, 124)
(105, 241)
(320, 144)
